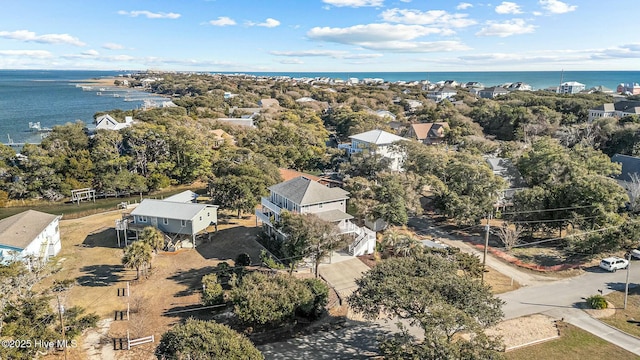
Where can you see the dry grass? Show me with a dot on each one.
(91, 256)
(573, 344)
(499, 282)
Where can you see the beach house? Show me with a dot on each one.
(377, 142)
(29, 236)
(303, 195)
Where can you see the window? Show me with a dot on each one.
(142, 218)
(320, 206)
(200, 218)
(183, 223)
(165, 221)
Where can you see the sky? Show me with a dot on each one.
(320, 35)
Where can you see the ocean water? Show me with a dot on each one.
(537, 79)
(52, 98)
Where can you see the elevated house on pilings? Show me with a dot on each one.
(179, 220)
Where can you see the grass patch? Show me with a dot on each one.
(539, 255)
(499, 282)
(626, 320)
(573, 344)
(74, 211)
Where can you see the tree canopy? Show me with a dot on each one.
(427, 290)
(204, 340)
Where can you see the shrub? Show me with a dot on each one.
(212, 293)
(272, 300)
(320, 292)
(243, 260)
(597, 302)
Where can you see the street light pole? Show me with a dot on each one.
(626, 284)
(486, 247)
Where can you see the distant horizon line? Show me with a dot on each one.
(318, 71)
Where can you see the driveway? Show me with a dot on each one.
(342, 273)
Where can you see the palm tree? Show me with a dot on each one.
(391, 239)
(137, 255)
(407, 246)
(153, 237)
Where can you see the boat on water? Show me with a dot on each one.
(98, 93)
(37, 127)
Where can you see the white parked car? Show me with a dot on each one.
(635, 253)
(614, 263)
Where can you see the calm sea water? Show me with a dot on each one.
(52, 98)
(537, 79)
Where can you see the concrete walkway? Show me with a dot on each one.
(585, 322)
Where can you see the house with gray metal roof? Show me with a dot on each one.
(171, 217)
(303, 195)
(378, 142)
(29, 235)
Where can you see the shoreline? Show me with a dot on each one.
(108, 81)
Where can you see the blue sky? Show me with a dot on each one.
(320, 35)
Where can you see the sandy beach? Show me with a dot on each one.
(108, 81)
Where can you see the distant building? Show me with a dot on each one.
(428, 133)
(519, 86)
(615, 110)
(492, 92)
(378, 142)
(571, 87)
(106, 122)
(630, 89)
(444, 93)
(29, 235)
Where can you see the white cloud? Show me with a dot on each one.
(270, 23)
(537, 13)
(336, 54)
(30, 36)
(40, 54)
(416, 46)
(112, 46)
(89, 54)
(556, 6)
(354, 3)
(507, 28)
(149, 14)
(222, 21)
(359, 34)
(508, 7)
(463, 6)
(291, 61)
(430, 17)
(387, 37)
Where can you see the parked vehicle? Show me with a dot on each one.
(635, 253)
(614, 263)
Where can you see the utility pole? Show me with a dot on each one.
(486, 247)
(626, 285)
(61, 311)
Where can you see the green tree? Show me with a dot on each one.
(154, 237)
(306, 235)
(203, 340)
(427, 291)
(137, 256)
(212, 293)
(264, 300)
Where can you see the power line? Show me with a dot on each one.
(554, 220)
(544, 210)
(571, 235)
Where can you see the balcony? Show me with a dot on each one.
(263, 217)
(271, 206)
(348, 227)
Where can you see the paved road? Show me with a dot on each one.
(566, 293)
